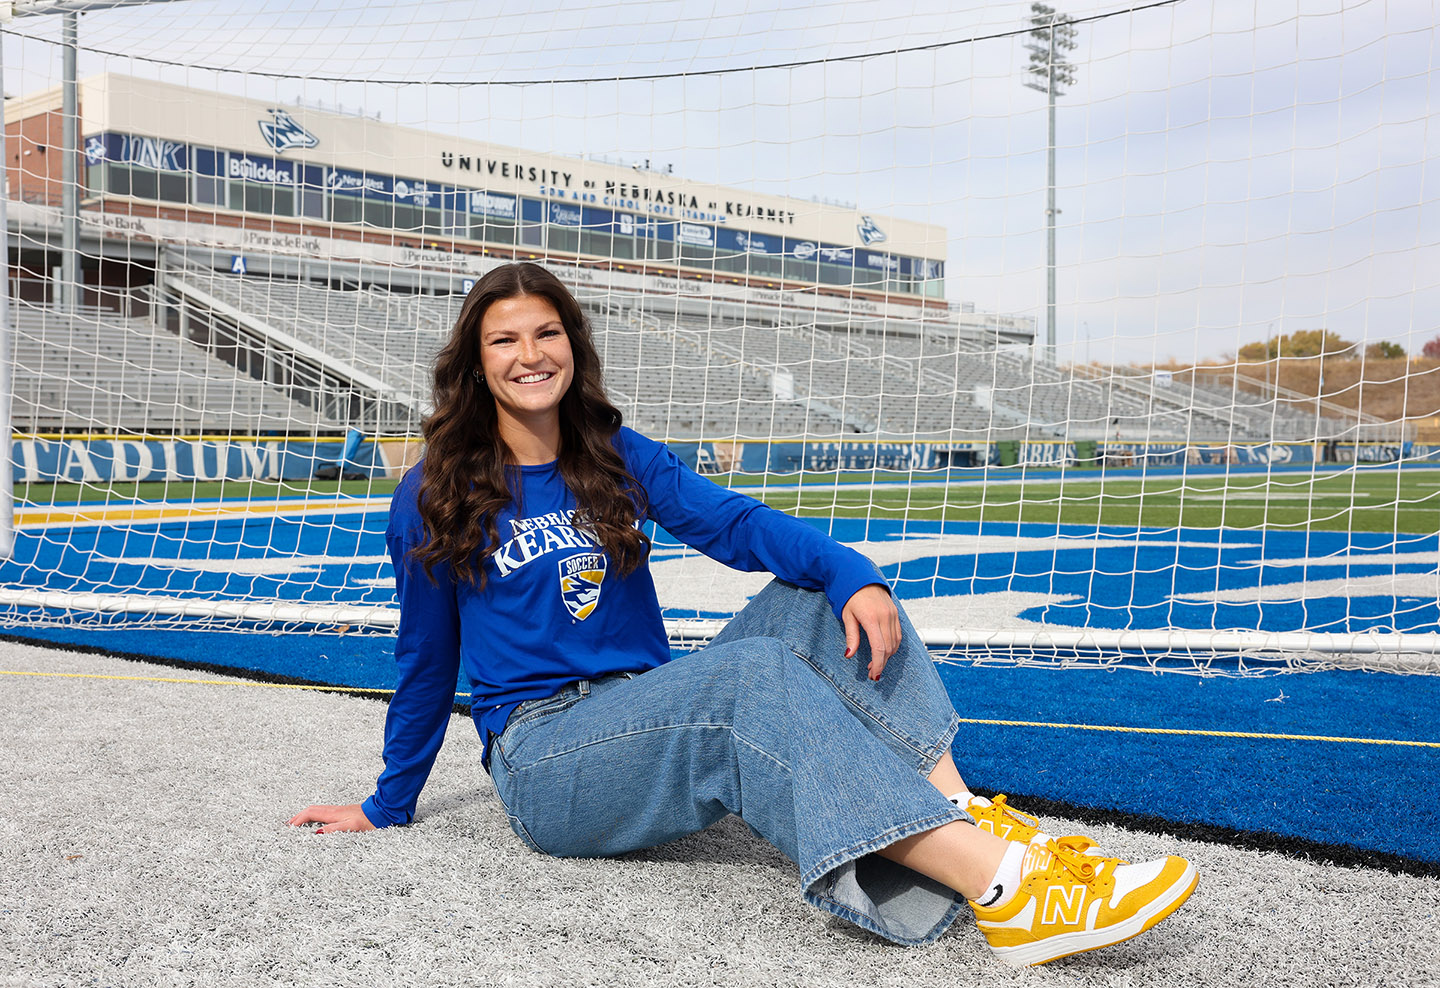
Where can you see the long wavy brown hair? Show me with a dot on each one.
(467, 472)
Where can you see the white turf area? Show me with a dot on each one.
(143, 842)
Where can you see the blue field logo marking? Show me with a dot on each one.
(1037, 576)
(950, 576)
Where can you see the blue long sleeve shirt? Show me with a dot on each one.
(555, 609)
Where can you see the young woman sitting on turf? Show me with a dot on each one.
(520, 558)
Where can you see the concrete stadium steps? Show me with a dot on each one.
(665, 380)
(358, 327)
(1055, 400)
(889, 386)
(98, 371)
(1254, 414)
(690, 376)
(946, 390)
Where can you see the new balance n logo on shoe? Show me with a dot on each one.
(1073, 899)
(1063, 905)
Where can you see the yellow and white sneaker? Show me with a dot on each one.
(1071, 901)
(1002, 820)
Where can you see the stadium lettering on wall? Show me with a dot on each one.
(282, 241)
(419, 192)
(642, 193)
(693, 233)
(505, 169)
(436, 258)
(749, 211)
(564, 215)
(118, 223)
(489, 204)
(151, 152)
(259, 170)
(103, 460)
(339, 181)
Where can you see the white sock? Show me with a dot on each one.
(1007, 878)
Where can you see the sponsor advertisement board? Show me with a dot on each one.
(104, 460)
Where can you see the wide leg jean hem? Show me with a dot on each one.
(882, 896)
(930, 757)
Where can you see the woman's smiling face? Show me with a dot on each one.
(525, 357)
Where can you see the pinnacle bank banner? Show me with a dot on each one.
(76, 461)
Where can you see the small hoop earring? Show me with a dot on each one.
(479, 378)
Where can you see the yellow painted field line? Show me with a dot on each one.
(115, 514)
(963, 720)
(206, 682)
(1203, 734)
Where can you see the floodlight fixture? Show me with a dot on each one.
(1052, 35)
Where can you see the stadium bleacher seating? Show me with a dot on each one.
(94, 370)
(679, 375)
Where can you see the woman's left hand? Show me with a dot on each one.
(871, 609)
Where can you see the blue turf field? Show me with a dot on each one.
(1345, 792)
(1375, 797)
(1088, 577)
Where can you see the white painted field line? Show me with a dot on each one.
(1276, 496)
(689, 630)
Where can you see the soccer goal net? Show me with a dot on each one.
(1109, 331)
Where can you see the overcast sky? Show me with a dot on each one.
(1226, 169)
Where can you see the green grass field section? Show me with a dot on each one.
(1368, 501)
(1357, 502)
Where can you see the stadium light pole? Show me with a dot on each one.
(1052, 36)
(68, 288)
(70, 217)
(7, 468)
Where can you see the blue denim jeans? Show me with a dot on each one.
(769, 721)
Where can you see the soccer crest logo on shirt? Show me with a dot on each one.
(580, 579)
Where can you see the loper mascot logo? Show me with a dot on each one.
(580, 579)
(283, 133)
(869, 232)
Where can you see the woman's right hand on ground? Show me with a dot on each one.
(333, 819)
